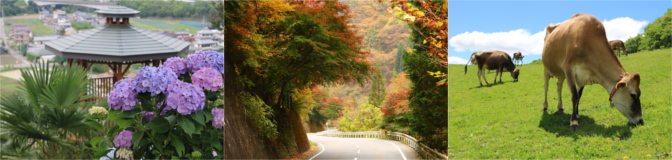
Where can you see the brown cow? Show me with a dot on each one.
(618, 45)
(518, 57)
(473, 61)
(577, 49)
(494, 60)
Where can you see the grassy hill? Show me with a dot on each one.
(505, 120)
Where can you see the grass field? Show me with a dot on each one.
(505, 120)
(166, 25)
(8, 85)
(39, 29)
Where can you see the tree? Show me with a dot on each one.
(398, 62)
(46, 118)
(81, 26)
(377, 94)
(658, 35)
(428, 102)
(366, 117)
(633, 44)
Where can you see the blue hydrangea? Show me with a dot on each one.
(122, 96)
(124, 139)
(186, 98)
(218, 118)
(208, 78)
(153, 79)
(177, 65)
(211, 59)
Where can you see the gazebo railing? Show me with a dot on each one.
(101, 86)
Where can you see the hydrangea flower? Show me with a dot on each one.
(196, 154)
(218, 118)
(185, 97)
(208, 78)
(125, 153)
(200, 59)
(124, 139)
(177, 65)
(95, 110)
(214, 154)
(122, 96)
(147, 116)
(153, 79)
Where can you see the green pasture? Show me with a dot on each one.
(8, 85)
(505, 120)
(166, 25)
(39, 29)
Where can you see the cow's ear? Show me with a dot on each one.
(622, 83)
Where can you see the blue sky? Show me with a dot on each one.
(519, 25)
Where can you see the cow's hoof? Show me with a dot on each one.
(561, 110)
(545, 109)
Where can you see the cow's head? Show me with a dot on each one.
(515, 74)
(625, 97)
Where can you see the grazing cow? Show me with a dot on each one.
(577, 49)
(473, 61)
(518, 57)
(618, 45)
(494, 60)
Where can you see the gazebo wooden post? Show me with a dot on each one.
(156, 63)
(69, 62)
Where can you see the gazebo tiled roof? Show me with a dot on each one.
(118, 43)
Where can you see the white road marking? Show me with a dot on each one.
(402, 153)
(311, 158)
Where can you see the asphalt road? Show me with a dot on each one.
(359, 148)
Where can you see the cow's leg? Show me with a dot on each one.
(546, 77)
(496, 73)
(478, 74)
(561, 109)
(571, 83)
(484, 78)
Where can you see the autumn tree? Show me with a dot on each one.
(275, 47)
(425, 61)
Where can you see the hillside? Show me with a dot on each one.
(505, 120)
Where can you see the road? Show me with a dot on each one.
(22, 60)
(359, 148)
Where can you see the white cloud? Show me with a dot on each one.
(623, 28)
(456, 60)
(511, 41)
(527, 43)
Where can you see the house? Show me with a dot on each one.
(58, 14)
(45, 14)
(169, 34)
(207, 45)
(70, 31)
(64, 25)
(204, 34)
(50, 22)
(78, 14)
(217, 35)
(40, 40)
(181, 34)
(22, 34)
(16, 25)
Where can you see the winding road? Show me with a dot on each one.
(359, 148)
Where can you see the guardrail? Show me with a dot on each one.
(422, 149)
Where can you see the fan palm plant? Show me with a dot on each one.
(45, 118)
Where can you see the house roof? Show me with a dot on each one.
(204, 32)
(59, 12)
(17, 29)
(181, 32)
(206, 41)
(46, 38)
(118, 43)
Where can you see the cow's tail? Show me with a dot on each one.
(468, 61)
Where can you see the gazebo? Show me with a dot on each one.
(117, 44)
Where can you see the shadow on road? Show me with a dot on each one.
(558, 123)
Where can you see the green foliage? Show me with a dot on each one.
(98, 68)
(260, 114)
(377, 94)
(81, 26)
(366, 117)
(18, 7)
(46, 117)
(659, 33)
(398, 62)
(32, 56)
(633, 44)
(505, 121)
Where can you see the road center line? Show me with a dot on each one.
(402, 153)
(323, 148)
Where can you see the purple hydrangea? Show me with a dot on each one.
(153, 79)
(218, 118)
(185, 97)
(208, 78)
(211, 59)
(177, 65)
(122, 96)
(147, 116)
(124, 139)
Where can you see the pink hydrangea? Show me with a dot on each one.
(208, 78)
(218, 118)
(177, 65)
